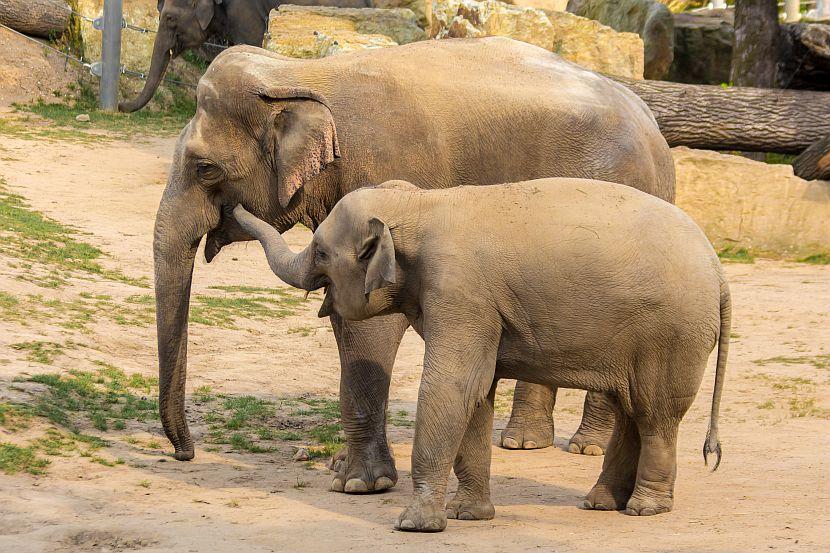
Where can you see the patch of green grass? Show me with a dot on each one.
(39, 351)
(328, 409)
(14, 459)
(223, 311)
(241, 442)
(301, 484)
(31, 236)
(330, 438)
(732, 254)
(821, 361)
(769, 404)
(203, 394)
(303, 331)
(104, 395)
(246, 409)
(806, 407)
(144, 483)
(13, 417)
(816, 259)
(401, 418)
(116, 125)
(779, 159)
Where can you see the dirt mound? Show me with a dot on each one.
(28, 70)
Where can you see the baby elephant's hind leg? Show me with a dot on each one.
(472, 467)
(619, 468)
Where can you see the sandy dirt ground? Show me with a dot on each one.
(770, 493)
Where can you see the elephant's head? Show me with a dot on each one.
(183, 24)
(352, 255)
(249, 143)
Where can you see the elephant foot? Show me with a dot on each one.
(604, 497)
(648, 506)
(522, 433)
(184, 455)
(422, 517)
(465, 508)
(361, 475)
(590, 444)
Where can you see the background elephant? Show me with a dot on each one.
(574, 282)
(288, 138)
(188, 24)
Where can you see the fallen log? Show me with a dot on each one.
(814, 162)
(40, 18)
(736, 118)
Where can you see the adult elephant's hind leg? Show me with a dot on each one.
(531, 421)
(367, 354)
(657, 469)
(594, 432)
(619, 468)
(472, 467)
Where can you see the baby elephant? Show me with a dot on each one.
(568, 282)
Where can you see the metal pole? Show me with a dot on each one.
(111, 55)
(792, 13)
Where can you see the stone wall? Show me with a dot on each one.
(755, 205)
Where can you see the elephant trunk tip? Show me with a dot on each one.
(184, 455)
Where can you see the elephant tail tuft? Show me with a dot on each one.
(712, 443)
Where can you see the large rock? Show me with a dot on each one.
(547, 5)
(648, 18)
(315, 32)
(582, 41)
(743, 203)
(421, 8)
(702, 47)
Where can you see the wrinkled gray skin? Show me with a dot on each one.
(561, 282)
(188, 24)
(287, 138)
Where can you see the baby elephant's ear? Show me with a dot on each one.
(379, 250)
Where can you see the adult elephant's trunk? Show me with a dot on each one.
(162, 54)
(293, 269)
(183, 218)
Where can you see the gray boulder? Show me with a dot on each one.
(702, 47)
(648, 18)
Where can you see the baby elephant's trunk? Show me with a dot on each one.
(712, 443)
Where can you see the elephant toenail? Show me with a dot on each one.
(407, 525)
(574, 448)
(337, 485)
(592, 450)
(510, 443)
(383, 483)
(648, 512)
(355, 485)
(465, 516)
(586, 505)
(530, 444)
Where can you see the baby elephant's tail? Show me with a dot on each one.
(712, 444)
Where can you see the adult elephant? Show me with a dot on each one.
(288, 138)
(188, 24)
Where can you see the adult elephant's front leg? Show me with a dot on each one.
(531, 421)
(367, 354)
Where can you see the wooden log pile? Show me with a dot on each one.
(40, 18)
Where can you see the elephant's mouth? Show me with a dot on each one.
(226, 232)
(327, 308)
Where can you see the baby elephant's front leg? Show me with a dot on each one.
(454, 385)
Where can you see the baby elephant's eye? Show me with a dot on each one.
(321, 255)
(208, 173)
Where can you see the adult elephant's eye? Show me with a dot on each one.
(208, 173)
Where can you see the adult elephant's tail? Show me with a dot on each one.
(712, 443)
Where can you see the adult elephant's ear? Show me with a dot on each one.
(204, 11)
(379, 250)
(301, 139)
